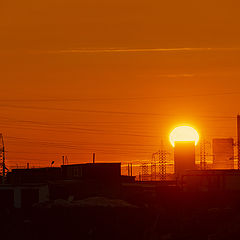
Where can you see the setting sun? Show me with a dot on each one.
(184, 134)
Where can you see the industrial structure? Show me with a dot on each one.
(203, 155)
(160, 165)
(184, 157)
(223, 153)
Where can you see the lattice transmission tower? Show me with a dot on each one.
(159, 165)
(203, 155)
(145, 174)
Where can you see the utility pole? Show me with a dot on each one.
(66, 160)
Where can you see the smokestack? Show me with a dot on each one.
(94, 157)
(184, 157)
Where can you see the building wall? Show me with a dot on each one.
(96, 171)
(23, 196)
(34, 175)
(223, 153)
(212, 180)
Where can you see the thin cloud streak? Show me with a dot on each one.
(139, 50)
(210, 94)
(181, 75)
(127, 50)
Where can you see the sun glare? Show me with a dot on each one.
(184, 134)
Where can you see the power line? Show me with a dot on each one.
(119, 98)
(109, 112)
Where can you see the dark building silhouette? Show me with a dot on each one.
(89, 171)
(223, 153)
(92, 171)
(76, 181)
(34, 175)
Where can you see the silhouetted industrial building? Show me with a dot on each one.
(34, 175)
(184, 157)
(223, 153)
(92, 171)
(89, 171)
(77, 180)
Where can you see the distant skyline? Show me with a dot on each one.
(114, 77)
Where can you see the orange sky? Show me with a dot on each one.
(114, 77)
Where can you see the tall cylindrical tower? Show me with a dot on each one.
(184, 157)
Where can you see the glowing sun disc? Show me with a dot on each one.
(184, 134)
